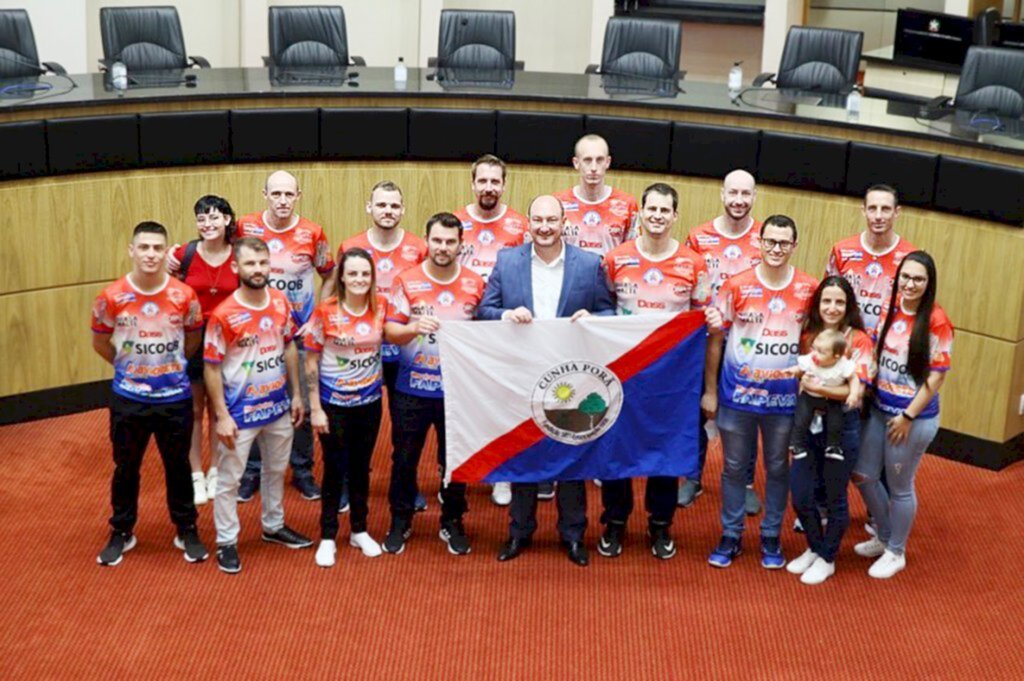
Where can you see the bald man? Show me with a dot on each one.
(298, 248)
(544, 279)
(730, 244)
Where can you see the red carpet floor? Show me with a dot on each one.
(955, 612)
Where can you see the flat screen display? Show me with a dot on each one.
(930, 37)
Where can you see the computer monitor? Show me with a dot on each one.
(931, 39)
(1011, 35)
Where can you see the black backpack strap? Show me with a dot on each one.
(186, 260)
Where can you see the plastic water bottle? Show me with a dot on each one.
(401, 73)
(736, 76)
(119, 76)
(853, 104)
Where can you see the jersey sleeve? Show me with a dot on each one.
(940, 341)
(725, 302)
(314, 338)
(102, 321)
(398, 307)
(691, 241)
(323, 260)
(291, 329)
(215, 345)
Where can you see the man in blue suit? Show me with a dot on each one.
(543, 280)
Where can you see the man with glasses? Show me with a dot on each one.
(763, 310)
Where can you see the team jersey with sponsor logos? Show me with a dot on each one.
(598, 227)
(725, 256)
(416, 294)
(410, 251)
(859, 349)
(294, 254)
(894, 386)
(676, 283)
(350, 364)
(764, 327)
(482, 239)
(249, 343)
(148, 334)
(870, 274)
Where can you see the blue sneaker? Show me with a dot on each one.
(727, 549)
(420, 504)
(771, 553)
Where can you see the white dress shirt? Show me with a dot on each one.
(547, 284)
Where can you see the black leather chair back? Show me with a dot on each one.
(308, 36)
(648, 48)
(992, 80)
(143, 38)
(986, 26)
(820, 59)
(18, 55)
(471, 39)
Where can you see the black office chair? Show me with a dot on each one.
(18, 55)
(309, 36)
(470, 39)
(819, 59)
(992, 80)
(144, 39)
(641, 48)
(986, 27)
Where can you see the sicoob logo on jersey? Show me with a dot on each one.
(576, 402)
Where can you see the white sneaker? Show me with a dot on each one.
(872, 548)
(211, 482)
(501, 495)
(325, 553)
(888, 565)
(799, 565)
(819, 571)
(366, 543)
(199, 489)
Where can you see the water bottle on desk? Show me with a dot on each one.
(119, 76)
(853, 104)
(736, 77)
(401, 74)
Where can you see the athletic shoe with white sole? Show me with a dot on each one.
(801, 563)
(819, 571)
(119, 544)
(365, 543)
(326, 552)
(888, 565)
(872, 548)
(501, 493)
(189, 542)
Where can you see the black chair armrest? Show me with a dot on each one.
(431, 62)
(592, 69)
(763, 78)
(54, 67)
(200, 62)
(935, 108)
(357, 61)
(519, 65)
(105, 64)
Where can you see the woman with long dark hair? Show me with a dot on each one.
(914, 344)
(206, 267)
(344, 373)
(816, 480)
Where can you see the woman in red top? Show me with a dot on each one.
(206, 267)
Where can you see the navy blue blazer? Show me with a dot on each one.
(510, 284)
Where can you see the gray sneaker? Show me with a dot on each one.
(119, 544)
(688, 492)
(752, 503)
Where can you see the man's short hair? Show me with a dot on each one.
(783, 221)
(388, 186)
(529, 208)
(445, 220)
(590, 137)
(664, 190)
(250, 242)
(835, 340)
(883, 188)
(149, 227)
(487, 160)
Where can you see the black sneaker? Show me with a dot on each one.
(454, 535)
(835, 453)
(119, 543)
(189, 542)
(247, 488)
(546, 491)
(286, 536)
(400, 530)
(662, 545)
(309, 490)
(610, 543)
(228, 560)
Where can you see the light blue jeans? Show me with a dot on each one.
(893, 510)
(739, 446)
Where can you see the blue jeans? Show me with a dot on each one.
(739, 431)
(816, 481)
(893, 510)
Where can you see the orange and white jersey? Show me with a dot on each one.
(349, 347)
(764, 327)
(725, 256)
(148, 334)
(870, 274)
(675, 283)
(482, 239)
(894, 386)
(249, 343)
(294, 254)
(598, 227)
(416, 294)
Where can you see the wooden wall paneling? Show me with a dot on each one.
(984, 372)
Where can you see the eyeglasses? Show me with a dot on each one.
(783, 244)
(911, 279)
